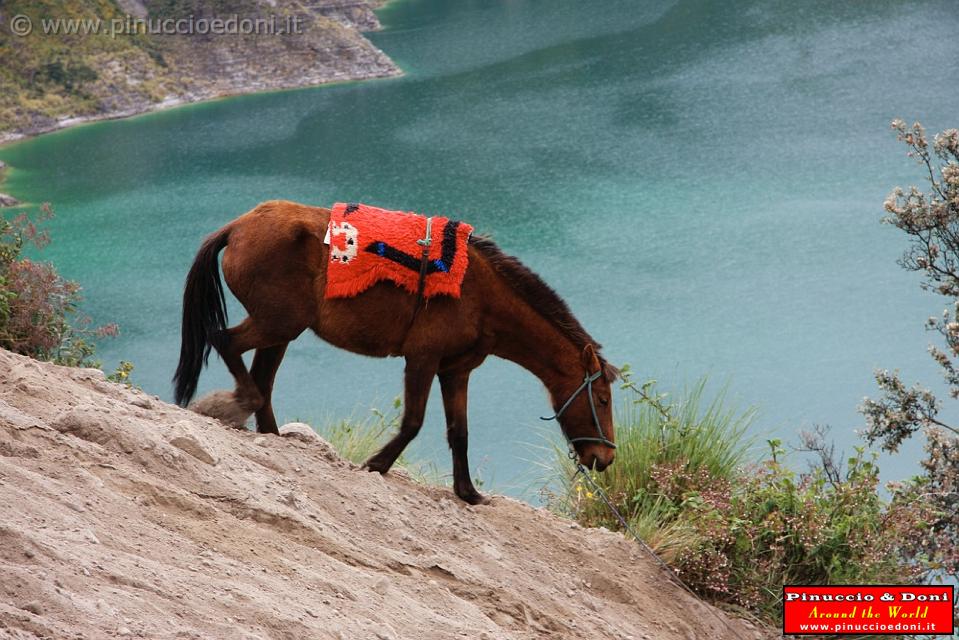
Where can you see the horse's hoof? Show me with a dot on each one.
(375, 466)
(268, 431)
(473, 497)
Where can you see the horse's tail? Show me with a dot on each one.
(204, 316)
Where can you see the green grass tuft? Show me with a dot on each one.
(357, 439)
(709, 437)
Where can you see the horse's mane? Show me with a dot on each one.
(540, 296)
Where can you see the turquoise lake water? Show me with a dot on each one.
(702, 181)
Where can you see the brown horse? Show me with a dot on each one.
(274, 262)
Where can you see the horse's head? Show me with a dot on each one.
(585, 411)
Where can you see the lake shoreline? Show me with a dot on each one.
(366, 21)
(8, 138)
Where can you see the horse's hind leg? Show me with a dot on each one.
(236, 408)
(418, 379)
(265, 364)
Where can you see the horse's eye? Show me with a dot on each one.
(604, 401)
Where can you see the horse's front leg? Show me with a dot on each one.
(418, 379)
(453, 386)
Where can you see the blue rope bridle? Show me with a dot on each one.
(587, 384)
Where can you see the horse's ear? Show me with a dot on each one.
(610, 372)
(590, 359)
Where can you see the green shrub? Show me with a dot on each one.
(737, 530)
(121, 375)
(39, 310)
(71, 76)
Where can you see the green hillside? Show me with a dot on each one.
(69, 65)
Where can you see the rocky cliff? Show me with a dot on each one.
(75, 60)
(123, 516)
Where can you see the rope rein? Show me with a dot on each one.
(675, 579)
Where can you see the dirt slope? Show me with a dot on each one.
(122, 516)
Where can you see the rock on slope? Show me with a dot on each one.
(123, 516)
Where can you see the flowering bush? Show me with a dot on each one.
(783, 527)
(39, 314)
(931, 220)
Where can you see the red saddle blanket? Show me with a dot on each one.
(369, 244)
